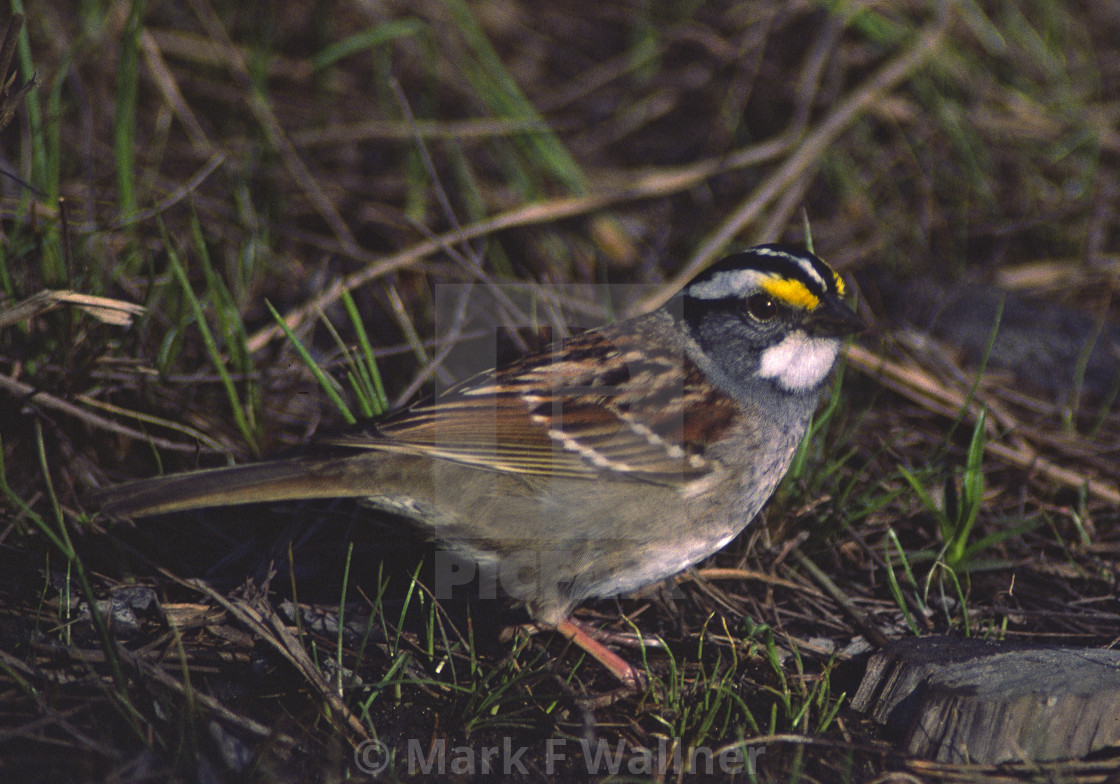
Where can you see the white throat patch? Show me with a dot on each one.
(799, 363)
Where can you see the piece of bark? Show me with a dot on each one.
(971, 701)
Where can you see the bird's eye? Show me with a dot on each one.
(761, 307)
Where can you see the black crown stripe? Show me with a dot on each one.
(779, 265)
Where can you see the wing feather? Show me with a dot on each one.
(606, 401)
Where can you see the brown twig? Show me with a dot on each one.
(809, 152)
(648, 185)
(30, 395)
(263, 622)
(939, 398)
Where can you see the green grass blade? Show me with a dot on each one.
(972, 494)
(371, 38)
(235, 338)
(505, 98)
(367, 366)
(325, 382)
(212, 350)
(124, 118)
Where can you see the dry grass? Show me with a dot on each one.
(293, 154)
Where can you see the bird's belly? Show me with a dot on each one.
(550, 542)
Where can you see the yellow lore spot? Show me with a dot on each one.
(791, 292)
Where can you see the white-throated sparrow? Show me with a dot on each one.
(618, 458)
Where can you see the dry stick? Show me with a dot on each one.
(657, 184)
(177, 195)
(470, 259)
(110, 311)
(170, 200)
(948, 402)
(651, 185)
(849, 606)
(435, 363)
(208, 702)
(643, 186)
(877, 747)
(272, 128)
(808, 85)
(919, 385)
(261, 620)
(46, 400)
(740, 575)
(50, 717)
(809, 153)
(10, 103)
(172, 95)
(788, 204)
(1094, 771)
(456, 130)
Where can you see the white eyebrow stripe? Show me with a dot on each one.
(727, 284)
(804, 263)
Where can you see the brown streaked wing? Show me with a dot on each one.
(637, 410)
(490, 432)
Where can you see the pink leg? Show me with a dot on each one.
(630, 675)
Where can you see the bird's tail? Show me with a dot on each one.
(280, 480)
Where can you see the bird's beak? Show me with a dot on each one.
(833, 318)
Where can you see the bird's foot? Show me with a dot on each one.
(629, 675)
